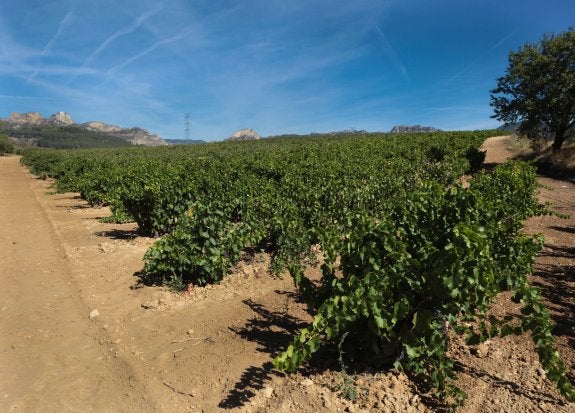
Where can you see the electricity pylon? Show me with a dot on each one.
(187, 125)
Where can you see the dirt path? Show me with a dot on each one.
(150, 350)
(48, 353)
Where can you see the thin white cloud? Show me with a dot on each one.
(12, 52)
(482, 56)
(23, 68)
(31, 98)
(132, 27)
(390, 50)
(22, 61)
(150, 49)
(48, 47)
(272, 65)
(63, 23)
(119, 104)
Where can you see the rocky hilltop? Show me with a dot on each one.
(60, 119)
(101, 126)
(244, 135)
(134, 135)
(30, 118)
(413, 129)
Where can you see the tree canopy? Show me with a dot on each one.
(6, 146)
(538, 89)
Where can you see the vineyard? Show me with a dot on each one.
(408, 254)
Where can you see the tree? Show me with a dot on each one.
(538, 89)
(6, 146)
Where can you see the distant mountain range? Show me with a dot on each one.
(59, 130)
(413, 129)
(511, 127)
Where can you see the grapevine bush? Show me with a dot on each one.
(201, 249)
(435, 261)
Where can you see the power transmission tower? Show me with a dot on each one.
(187, 124)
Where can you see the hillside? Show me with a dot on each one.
(413, 129)
(510, 127)
(60, 131)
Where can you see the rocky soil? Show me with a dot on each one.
(78, 333)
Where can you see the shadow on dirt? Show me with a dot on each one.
(569, 230)
(512, 387)
(556, 285)
(272, 331)
(119, 234)
(251, 380)
(76, 207)
(558, 252)
(71, 197)
(556, 167)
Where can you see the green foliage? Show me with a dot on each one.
(442, 255)
(119, 216)
(66, 137)
(407, 250)
(42, 163)
(347, 388)
(6, 146)
(200, 250)
(475, 157)
(538, 89)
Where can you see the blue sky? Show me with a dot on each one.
(275, 66)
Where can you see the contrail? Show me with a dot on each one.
(48, 45)
(390, 50)
(495, 46)
(60, 28)
(149, 50)
(500, 42)
(126, 30)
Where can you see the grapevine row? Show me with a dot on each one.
(407, 250)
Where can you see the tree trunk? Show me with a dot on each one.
(558, 141)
